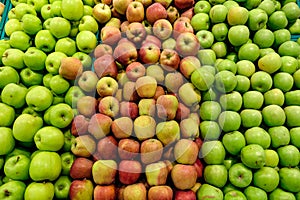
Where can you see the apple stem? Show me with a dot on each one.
(6, 193)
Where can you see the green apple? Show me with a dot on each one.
(14, 58)
(34, 58)
(207, 56)
(12, 25)
(253, 156)
(56, 9)
(291, 10)
(218, 13)
(168, 132)
(231, 101)
(18, 151)
(31, 24)
(67, 159)
(81, 41)
(45, 165)
(243, 84)
(210, 130)
(17, 167)
(7, 141)
(220, 31)
(37, 4)
(289, 178)
(202, 7)
(58, 84)
(288, 48)
(268, 6)
(240, 175)
(272, 158)
(249, 51)
(229, 120)
(60, 27)
(39, 98)
(66, 45)
(25, 126)
(257, 19)
(261, 81)
(88, 23)
(245, 68)
(253, 193)
(277, 20)
(59, 115)
(270, 63)
(296, 77)
(46, 11)
(294, 136)
(253, 99)
(30, 77)
(85, 59)
(53, 61)
(202, 79)
(273, 115)
(220, 49)
(295, 27)
(279, 193)
(264, 38)
(12, 190)
(226, 64)
(215, 175)
(7, 115)
(210, 110)
(200, 21)
(39, 190)
(62, 187)
(72, 9)
(20, 40)
(45, 41)
(237, 15)
(72, 96)
(49, 138)
(251, 117)
(209, 190)
(230, 4)
(213, 152)
(238, 35)
(14, 95)
(281, 36)
(289, 64)
(280, 136)
(266, 178)
(274, 96)
(288, 156)
(22, 9)
(206, 38)
(257, 135)
(292, 97)
(233, 142)
(225, 81)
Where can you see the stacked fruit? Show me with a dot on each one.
(125, 119)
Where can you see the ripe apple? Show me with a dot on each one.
(107, 148)
(99, 125)
(104, 171)
(164, 192)
(135, 12)
(110, 35)
(83, 146)
(81, 168)
(106, 86)
(105, 191)
(128, 148)
(13, 189)
(156, 11)
(151, 150)
(162, 29)
(188, 171)
(81, 189)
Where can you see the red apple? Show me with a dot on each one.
(166, 106)
(129, 109)
(160, 192)
(156, 11)
(136, 32)
(129, 91)
(87, 105)
(109, 106)
(125, 53)
(107, 148)
(188, 172)
(81, 189)
(110, 35)
(135, 12)
(184, 4)
(185, 195)
(189, 13)
(135, 70)
(173, 14)
(70, 68)
(122, 127)
(169, 59)
(102, 49)
(79, 125)
(106, 66)
(107, 192)
(182, 25)
(149, 53)
(182, 112)
(99, 125)
(135, 191)
(151, 151)
(81, 168)
(187, 44)
(124, 26)
(129, 171)
(199, 167)
(152, 39)
(162, 29)
(128, 149)
(188, 65)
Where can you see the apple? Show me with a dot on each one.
(17, 167)
(81, 189)
(168, 132)
(102, 49)
(219, 31)
(88, 81)
(288, 176)
(144, 127)
(234, 142)
(162, 29)
(110, 35)
(81, 168)
(105, 191)
(238, 35)
(59, 115)
(156, 72)
(251, 160)
(82, 45)
(237, 16)
(209, 190)
(135, 70)
(166, 106)
(212, 171)
(7, 116)
(135, 191)
(252, 135)
(45, 41)
(213, 152)
(62, 187)
(135, 12)
(128, 148)
(277, 20)
(129, 171)
(183, 24)
(286, 156)
(125, 53)
(266, 178)
(251, 118)
(49, 165)
(122, 127)
(39, 190)
(83, 146)
(273, 115)
(172, 13)
(88, 23)
(229, 120)
(136, 32)
(187, 44)
(26, 123)
(187, 171)
(12, 189)
(53, 62)
(8, 75)
(49, 138)
(164, 192)
(186, 151)
(129, 109)
(99, 125)
(69, 7)
(14, 58)
(155, 11)
(79, 125)
(104, 171)
(291, 97)
(129, 92)
(151, 150)
(147, 107)
(257, 19)
(261, 81)
(107, 144)
(106, 86)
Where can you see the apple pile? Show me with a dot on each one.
(181, 99)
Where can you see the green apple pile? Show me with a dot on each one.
(181, 99)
